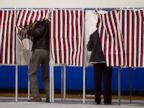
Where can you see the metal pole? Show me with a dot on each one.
(28, 89)
(130, 86)
(84, 71)
(119, 85)
(16, 83)
(28, 85)
(85, 55)
(51, 65)
(50, 80)
(64, 81)
(52, 77)
(16, 66)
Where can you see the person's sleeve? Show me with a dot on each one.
(90, 44)
(37, 32)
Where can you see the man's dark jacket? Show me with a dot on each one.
(40, 34)
(94, 45)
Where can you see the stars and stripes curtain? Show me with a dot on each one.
(7, 37)
(122, 37)
(131, 25)
(27, 16)
(23, 45)
(110, 37)
(67, 37)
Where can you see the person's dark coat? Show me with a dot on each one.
(94, 45)
(40, 34)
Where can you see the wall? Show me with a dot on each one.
(70, 3)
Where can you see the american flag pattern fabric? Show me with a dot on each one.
(7, 37)
(131, 25)
(110, 38)
(122, 37)
(27, 16)
(67, 37)
(9, 19)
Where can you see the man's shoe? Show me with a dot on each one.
(47, 100)
(35, 99)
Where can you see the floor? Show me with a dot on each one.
(9, 102)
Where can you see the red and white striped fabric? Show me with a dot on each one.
(111, 39)
(24, 45)
(67, 37)
(131, 25)
(7, 37)
(26, 17)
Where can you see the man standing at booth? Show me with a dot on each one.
(100, 69)
(40, 55)
(39, 31)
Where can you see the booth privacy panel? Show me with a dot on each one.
(132, 30)
(7, 37)
(67, 41)
(67, 37)
(29, 16)
(23, 46)
(122, 37)
(66, 31)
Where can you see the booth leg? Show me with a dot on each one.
(16, 83)
(119, 86)
(52, 83)
(63, 82)
(130, 87)
(84, 71)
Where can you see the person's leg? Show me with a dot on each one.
(32, 74)
(97, 82)
(45, 76)
(107, 85)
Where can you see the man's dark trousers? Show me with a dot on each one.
(102, 71)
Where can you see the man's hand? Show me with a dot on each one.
(22, 33)
(32, 26)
